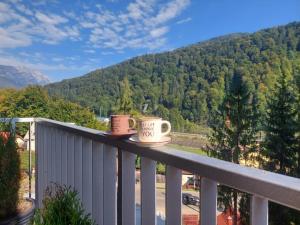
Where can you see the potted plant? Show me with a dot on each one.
(61, 206)
(10, 178)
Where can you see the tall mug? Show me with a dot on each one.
(120, 124)
(150, 129)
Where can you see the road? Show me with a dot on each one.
(160, 204)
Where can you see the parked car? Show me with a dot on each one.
(188, 199)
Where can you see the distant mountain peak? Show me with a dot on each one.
(21, 76)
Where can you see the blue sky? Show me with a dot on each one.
(69, 38)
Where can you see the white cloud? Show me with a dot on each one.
(144, 24)
(43, 2)
(3, 9)
(12, 40)
(23, 9)
(21, 26)
(170, 11)
(50, 19)
(141, 24)
(158, 32)
(58, 59)
(70, 14)
(186, 20)
(91, 51)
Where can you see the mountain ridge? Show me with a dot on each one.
(20, 76)
(188, 83)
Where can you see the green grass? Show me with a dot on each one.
(188, 149)
(24, 157)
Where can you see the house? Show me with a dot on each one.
(32, 139)
(20, 142)
(225, 218)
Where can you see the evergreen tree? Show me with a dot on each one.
(280, 144)
(297, 88)
(234, 132)
(124, 102)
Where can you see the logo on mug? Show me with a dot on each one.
(150, 129)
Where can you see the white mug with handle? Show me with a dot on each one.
(150, 129)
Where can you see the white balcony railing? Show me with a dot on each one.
(87, 160)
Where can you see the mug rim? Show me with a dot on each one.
(120, 115)
(149, 118)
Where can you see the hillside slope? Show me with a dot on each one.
(189, 82)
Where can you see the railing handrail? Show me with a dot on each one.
(278, 188)
(18, 120)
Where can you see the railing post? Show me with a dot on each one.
(40, 150)
(128, 188)
(45, 157)
(78, 165)
(98, 183)
(64, 158)
(119, 191)
(71, 160)
(57, 160)
(52, 160)
(208, 201)
(109, 182)
(173, 196)
(29, 161)
(148, 190)
(259, 211)
(87, 175)
(38, 165)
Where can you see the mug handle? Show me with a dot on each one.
(134, 123)
(169, 127)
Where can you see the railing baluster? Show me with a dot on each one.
(87, 175)
(148, 191)
(208, 201)
(39, 152)
(109, 185)
(173, 196)
(259, 211)
(128, 188)
(53, 150)
(98, 183)
(78, 165)
(49, 152)
(58, 156)
(45, 157)
(64, 159)
(71, 160)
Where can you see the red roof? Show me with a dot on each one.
(225, 218)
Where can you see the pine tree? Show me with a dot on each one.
(280, 144)
(297, 88)
(124, 102)
(280, 141)
(234, 132)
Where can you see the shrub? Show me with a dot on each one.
(9, 172)
(61, 206)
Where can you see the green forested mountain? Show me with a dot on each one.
(189, 83)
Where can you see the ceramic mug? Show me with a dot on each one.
(150, 129)
(119, 124)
